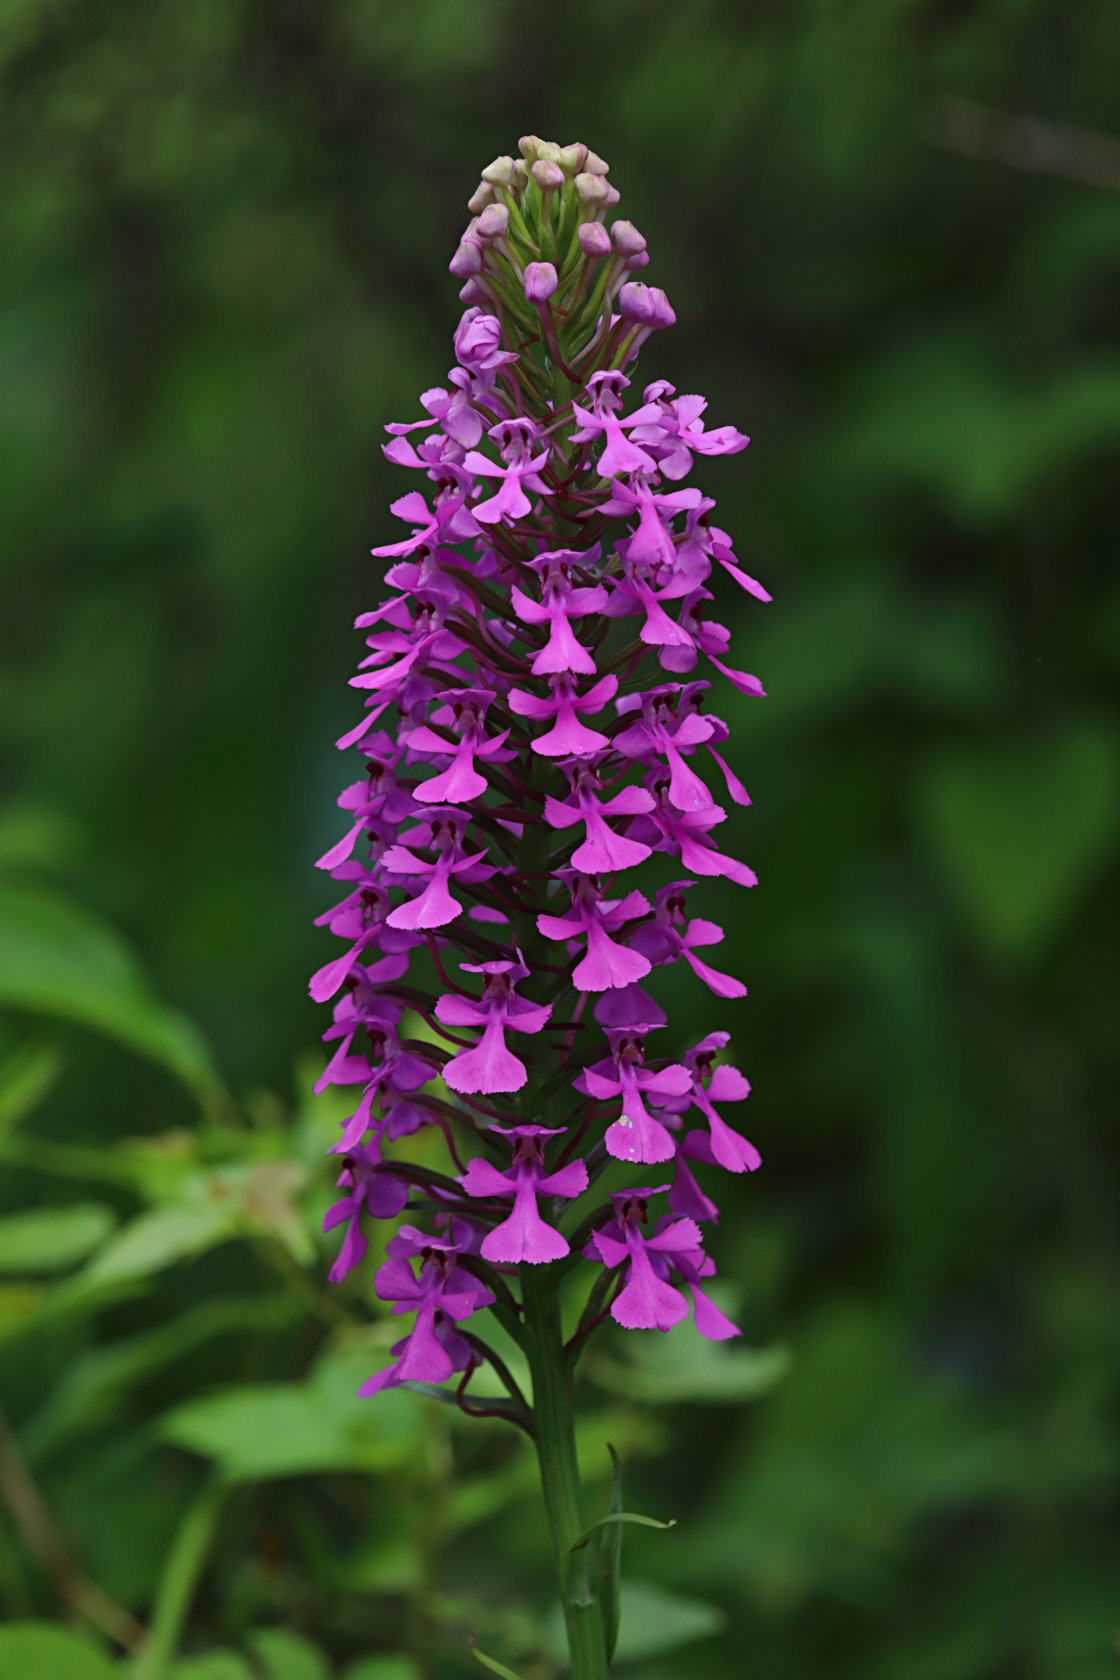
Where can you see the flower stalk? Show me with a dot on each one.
(536, 729)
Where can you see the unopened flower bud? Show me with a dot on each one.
(520, 175)
(540, 281)
(480, 198)
(591, 189)
(635, 303)
(528, 146)
(549, 151)
(640, 259)
(611, 195)
(626, 241)
(493, 222)
(594, 240)
(573, 159)
(548, 176)
(499, 173)
(595, 165)
(467, 259)
(475, 292)
(664, 313)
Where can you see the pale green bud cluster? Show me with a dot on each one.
(539, 255)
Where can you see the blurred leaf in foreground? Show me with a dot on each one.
(46, 1651)
(50, 1239)
(58, 959)
(290, 1429)
(672, 1367)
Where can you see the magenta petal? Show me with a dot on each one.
(453, 786)
(482, 1178)
(607, 965)
(711, 1323)
(325, 981)
(642, 1139)
(432, 908)
(730, 1149)
(490, 1067)
(524, 1235)
(723, 985)
(647, 1303)
(728, 1084)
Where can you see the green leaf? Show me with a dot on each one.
(680, 1365)
(655, 1620)
(1021, 831)
(52, 1238)
(93, 1383)
(19, 1304)
(212, 1665)
(158, 1238)
(291, 1429)
(58, 959)
(288, 1656)
(619, 1517)
(45, 1651)
(610, 1559)
(25, 1080)
(382, 1668)
(491, 1663)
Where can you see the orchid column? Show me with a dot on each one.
(535, 731)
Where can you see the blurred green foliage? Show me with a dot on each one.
(225, 226)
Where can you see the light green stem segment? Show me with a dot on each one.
(556, 1451)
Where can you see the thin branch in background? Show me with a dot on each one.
(36, 1526)
(1030, 143)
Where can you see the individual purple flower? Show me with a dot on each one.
(524, 1235)
(604, 849)
(662, 943)
(465, 714)
(620, 455)
(379, 1194)
(678, 430)
(636, 1135)
(560, 602)
(433, 906)
(568, 735)
(676, 1247)
(518, 469)
(478, 343)
(442, 1294)
(606, 962)
(659, 734)
(490, 1066)
(646, 1301)
(708, 1085)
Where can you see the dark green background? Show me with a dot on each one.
(224, 228)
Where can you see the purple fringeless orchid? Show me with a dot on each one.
(536, 730)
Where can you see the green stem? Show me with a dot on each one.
(178, 1581)
(554, 1416)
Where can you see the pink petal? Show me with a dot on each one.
(524, 1235)
(711, 1323)
(607, 965)
(723, 985)
(641, 1139)
(490, 1067)
(647, 1303)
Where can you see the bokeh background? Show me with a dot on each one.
(891, 231)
